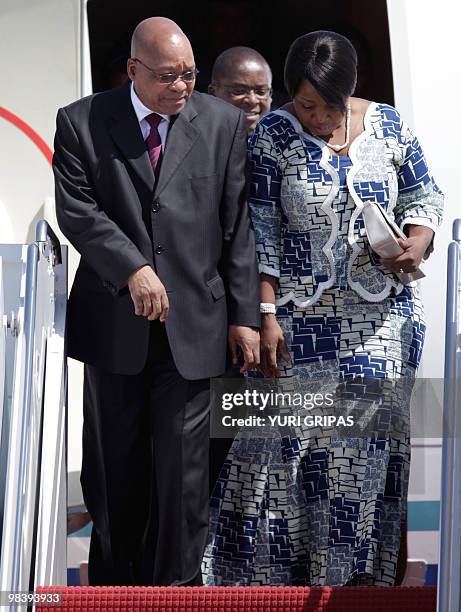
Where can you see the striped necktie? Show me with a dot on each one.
(154, 143)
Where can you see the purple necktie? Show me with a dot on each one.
(154, 143)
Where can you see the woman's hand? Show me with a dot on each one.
(413, 247)
(272, 342)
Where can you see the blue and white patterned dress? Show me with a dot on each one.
(299, 509)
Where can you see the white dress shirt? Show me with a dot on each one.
(141, 113)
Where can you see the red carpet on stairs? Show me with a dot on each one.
(240, 599)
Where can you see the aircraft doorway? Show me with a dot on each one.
(215, 25)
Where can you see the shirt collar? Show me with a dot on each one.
(140, 109)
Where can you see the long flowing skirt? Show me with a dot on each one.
(303, 506)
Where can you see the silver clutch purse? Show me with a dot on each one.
(382, 233)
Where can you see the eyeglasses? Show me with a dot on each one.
(240, 91)
(168, 78)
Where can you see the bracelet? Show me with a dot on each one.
(267, 308)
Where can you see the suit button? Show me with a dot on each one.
(159, 250)
(155, 206)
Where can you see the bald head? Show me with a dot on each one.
(160, 54)
(154, 34)
(242, 77)
(229, 60)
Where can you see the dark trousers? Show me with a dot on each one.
(145, 472)
(220, 447)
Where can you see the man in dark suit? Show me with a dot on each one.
(151, 190)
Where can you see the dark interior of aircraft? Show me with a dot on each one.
(215, 25)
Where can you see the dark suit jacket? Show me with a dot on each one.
(192, 227)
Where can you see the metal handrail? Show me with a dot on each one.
(29, 332)
(44, 233)
(43, 304)
(449, 575)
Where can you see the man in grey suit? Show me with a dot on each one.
(151, 190)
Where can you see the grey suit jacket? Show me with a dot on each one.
(192, 227)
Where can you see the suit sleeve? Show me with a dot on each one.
(239, 265)
(99, 240)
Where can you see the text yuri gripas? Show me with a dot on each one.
(263, 401)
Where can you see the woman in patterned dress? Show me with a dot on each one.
(298, 508)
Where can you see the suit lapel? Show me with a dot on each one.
(127, 135)
(181, 137)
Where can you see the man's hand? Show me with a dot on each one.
(148, 294)
(247, 339)
(413, 247)
(272, 342)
